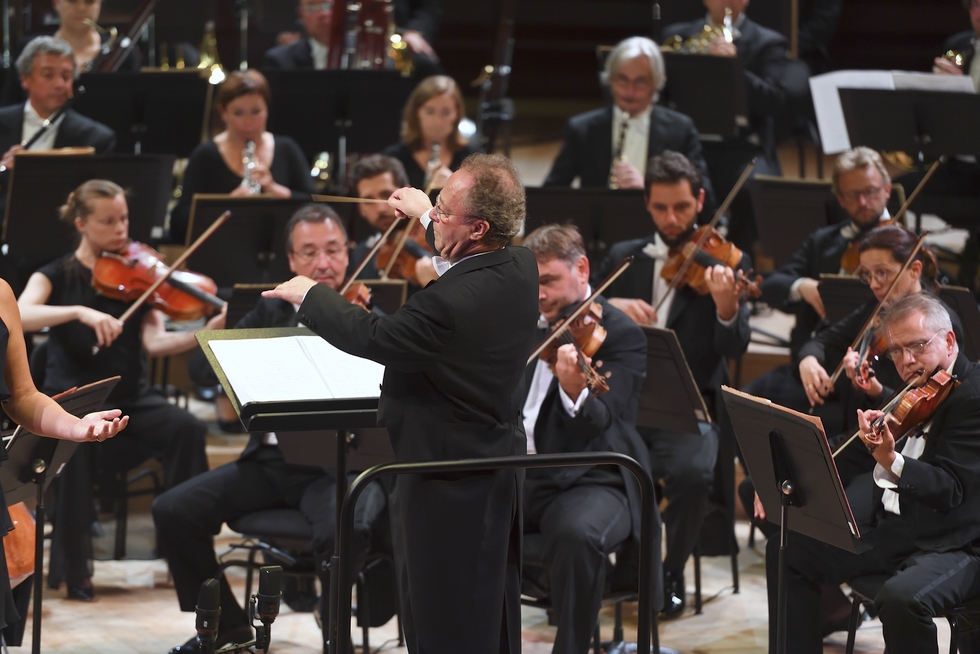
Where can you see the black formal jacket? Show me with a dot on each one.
(939, 493)
(292, 56)
(586, 152)
(777, 87)
(962, 42)
(604, 423)
(705, 341)
(75, 130)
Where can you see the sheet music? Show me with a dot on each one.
(294, 368)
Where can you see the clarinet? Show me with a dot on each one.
(248, 159)
(620, 146)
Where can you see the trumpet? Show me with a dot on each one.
(248, 161)
(620, 147)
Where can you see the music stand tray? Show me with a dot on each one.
(670, 398)
(842, 294)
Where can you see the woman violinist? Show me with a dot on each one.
(86, 343)
(432, 147)
(279, 166)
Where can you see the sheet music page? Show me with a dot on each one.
(294, 368)
(826, 102)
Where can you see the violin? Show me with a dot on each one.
(872, 345)
(126, 277)
(396, 259)
(915, 407)
(357, 294)
(850, 261)
(703, 249)
(587, 335)
(18, 545)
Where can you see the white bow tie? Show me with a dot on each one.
(659, 253)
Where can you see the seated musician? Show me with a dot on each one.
(612, 145)
(963, 44)
(710, 328)
(280, 169)
(583, 513)
(417, 21)
(188, 517)
(862, 187)
(432, 147)
(47, 71)
(777, 93)
(921, 505)
(375, 178)
(86, 343)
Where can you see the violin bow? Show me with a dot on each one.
(918, 189)
(672, 285)
(888, 407)
(581, 308)
(344, 199)
(370, 255)
(870, 321)
(176, 265)
(400, 245)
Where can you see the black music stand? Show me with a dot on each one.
(338, 111)
(842, 294)
(670, 398)
(153, 112)
(789, 459)
(711, 90)
(39, 184)
(962, 301)
(339, 415)
(789, 210)
(603, 216)
(34, 461)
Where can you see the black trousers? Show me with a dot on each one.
(686, 463)
(156, 429)
(581, 525)
(189, 516)
(921, 584)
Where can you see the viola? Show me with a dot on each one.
(126, 277)
(688, 261)
(915, 407)
(850, 261)
(872, 346)
(587, 335)
(358, 294)
(397, 258)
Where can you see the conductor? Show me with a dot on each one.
(453, 388)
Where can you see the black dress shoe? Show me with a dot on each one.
(673, 595)
(80, 594)
(242, 634)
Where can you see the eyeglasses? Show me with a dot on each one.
(335, 252)
(897, 354)
(88, 2)
(438, 214)
(867, 194)
(317, 7)
(881, 277)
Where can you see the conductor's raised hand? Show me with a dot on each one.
(98, 426)
(409, 202)
(293, 291)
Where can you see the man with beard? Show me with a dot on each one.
(709, 327)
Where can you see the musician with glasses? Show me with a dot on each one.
(917, 512)
(610, 147)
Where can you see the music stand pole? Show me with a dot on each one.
(242, 34)
(40, 468)
(343, 437)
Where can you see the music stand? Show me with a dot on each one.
(789, 210)
(787, 455)
(961, 300)
(388, 295)
(32, 231)
(603, 216)
(33, 462)
(340, 415)
(711, 90)
(670, 398)
(153, 112)
(842, 294)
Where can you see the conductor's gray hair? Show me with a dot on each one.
(631, 48)
(40, 46)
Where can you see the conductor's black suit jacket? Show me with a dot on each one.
(454, 357)
(75, 130)
(587, 149)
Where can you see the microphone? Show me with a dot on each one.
(267, 603)
(208, 611)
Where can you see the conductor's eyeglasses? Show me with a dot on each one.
(335, 252)
(439, 214)
(897, 354)
(316, 7)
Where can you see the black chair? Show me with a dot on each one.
(864, 589)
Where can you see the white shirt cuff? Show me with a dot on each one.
(729, 322)
(794, 290)
(885, 478)
(572, 408)
(425, 220)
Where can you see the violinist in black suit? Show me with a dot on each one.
(455, 356)
(921, 526)
(582, 513)
(710, 328)
(777, 90)
(599, 150)
(47, 70)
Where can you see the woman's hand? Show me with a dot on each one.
(98, 426)
(106, 328)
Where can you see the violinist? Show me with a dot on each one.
(431, 146)
(376, 177)
(923, 517)
(710, 329)
(583, 513)
(188, 516)
(60, 297)
(862, 187)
